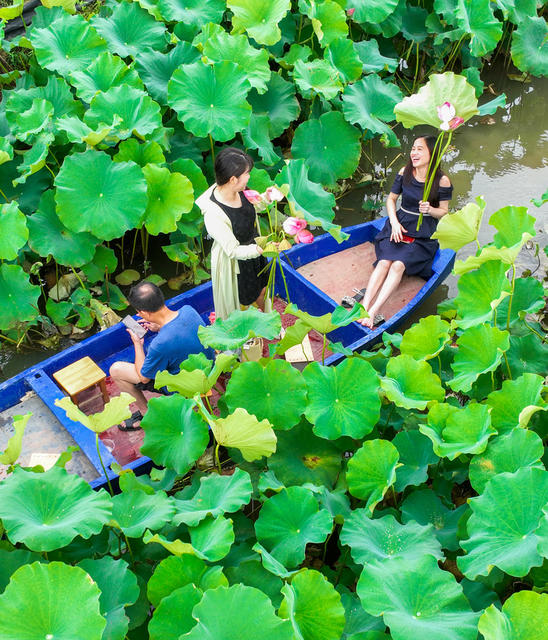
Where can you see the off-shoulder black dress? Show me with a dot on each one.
(418, 255)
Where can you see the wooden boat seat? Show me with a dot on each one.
(80, 376)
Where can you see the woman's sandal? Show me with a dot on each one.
(129, 424)
(350, 301)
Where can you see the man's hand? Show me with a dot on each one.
(135, 338)
(149, 326)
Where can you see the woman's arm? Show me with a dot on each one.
(221, 233)
(443, 208)
(397, 229)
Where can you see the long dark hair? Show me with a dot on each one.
(408, 169)
(231, 162)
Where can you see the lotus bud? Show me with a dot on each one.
(212, 317)
(293, 225)
(273, 194)
(304, 236)
(456, 122)
(350, 12)
(253, 196)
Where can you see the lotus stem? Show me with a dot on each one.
(542, 338)
(416, 69)
(285, 281)
(507, 365)
(48, 168)
(324, 347)
(103, 464)
(122, 251)
(394, 496)
(493, 379)
(134, 245)
(439, 364)
(4, 195)
(8, 339)
(212, 147)
(129, 548)
(79, 279)
(511, 297)
(57, 278)
(217, 458)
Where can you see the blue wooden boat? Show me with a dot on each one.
(316, 275)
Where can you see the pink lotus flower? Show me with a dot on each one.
(253, 196)
(273, 194)
(212, 317)
(292, 226)
(455, 122)
(446, 112)
(350, 12)
(304, 236)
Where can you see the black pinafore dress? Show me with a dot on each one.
(417, 256)
(253, 275)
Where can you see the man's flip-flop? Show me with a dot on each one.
(350, 301)
(129, 424)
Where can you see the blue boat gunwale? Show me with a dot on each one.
(114, 343)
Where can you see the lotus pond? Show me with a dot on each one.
(401, 494)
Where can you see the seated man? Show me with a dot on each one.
(177, 338)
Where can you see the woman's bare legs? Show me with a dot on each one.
(390, 284)
(376, 281)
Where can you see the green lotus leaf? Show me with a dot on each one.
(169, 196)
(385, 539)
(302, 457)
(6, 150)
(509, 453)
(503, 524)
(374, 11)
(411, 384)
(470, 362)
(257, 136)
(330, 146)
(105, 72)
(114, 412)
(343, 56)
(416, 454)
(216, 495)
(33, 120)
(322, 324)
(232, 48)
(276, 392)
(505, 255)
(175, 435)
(51, 600)
(34, 159)
(156, 68)
(328, 20)
(317, 76)
(77, 131)
(119, 589)
(516, 11)
(197, 374)
(370, 103)
(173, 617)
(480, 292)
(472, 75)
(251, 573)
(48, 510)
(425, 507)
(137, 112)
(192, 171)
(422, 107)
(212, 538)
(373, 60)
(13, 231)
(313, 606)
(359, 624)
(527, 353)
(288, 521)
(308, 199)
(12, 11)
(98, 195)
(529, 46)
(176, 547)
(141, 153)
(528, 297)
(232, 602)
(68, 44)
(425, 339)
(13, 449)
(194, 13)
(371, 471)
(260, 18)
(417, 600)
(210, 99)
(514, 404)
(272, 565)
(11, 560)
(343, 400)
(135, 511)
(457, 229)
(175, 572)
(511, 224)
(279, 104)
(19, 297)
(130, 30)
(477, 19)
(104, 262)
(240, 430)
(239, 327)
(455, 431)
(523, 615)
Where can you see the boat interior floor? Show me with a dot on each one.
(338, 274)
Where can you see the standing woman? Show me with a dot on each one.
(238, 271)
(400, 247)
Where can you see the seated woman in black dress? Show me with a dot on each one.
(400, 247)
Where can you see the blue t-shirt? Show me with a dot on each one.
(175, 341)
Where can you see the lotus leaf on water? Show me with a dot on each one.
(515, 403)
(290, 520)
(411, 384)
(51, 600)
(529, 46)
(456, 230)
(523, 615)
(241, 430)
(317, 76)
(372, 471)
(136, 511)
(260, 18)
(19, 296)
(173, 616)
(239, 327)
(212, 538)
(416, 454)
(504, 527)
(425, 339)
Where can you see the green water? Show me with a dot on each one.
(506, 162)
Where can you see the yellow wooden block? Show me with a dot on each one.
(79, 376)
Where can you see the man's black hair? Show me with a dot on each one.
(146, 296)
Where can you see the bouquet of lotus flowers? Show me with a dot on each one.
(280, 237)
